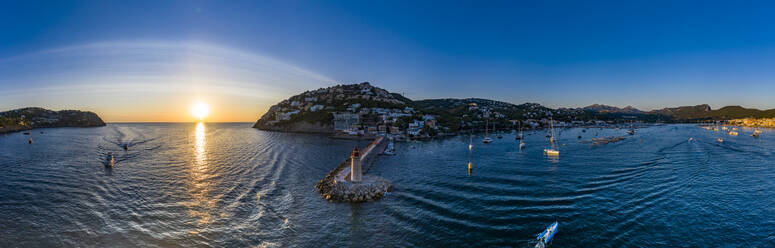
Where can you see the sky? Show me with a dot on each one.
(146, 61)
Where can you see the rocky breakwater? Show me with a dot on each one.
(337, 186)
(371, 188)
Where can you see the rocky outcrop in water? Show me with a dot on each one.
(29, 118)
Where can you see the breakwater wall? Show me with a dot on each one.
(336, 186)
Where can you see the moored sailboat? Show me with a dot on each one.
(551, 151)
(487, 138)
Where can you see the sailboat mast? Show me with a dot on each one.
(486, 124)
(551, 124)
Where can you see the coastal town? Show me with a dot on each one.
(363, 111)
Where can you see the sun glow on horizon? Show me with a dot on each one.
(200, 110)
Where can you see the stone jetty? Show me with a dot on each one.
(346, 182)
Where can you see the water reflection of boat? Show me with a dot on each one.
(546, 236)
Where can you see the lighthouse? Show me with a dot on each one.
(355, 166)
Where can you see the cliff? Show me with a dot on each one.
(29, 118)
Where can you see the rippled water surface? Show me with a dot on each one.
(231, 185)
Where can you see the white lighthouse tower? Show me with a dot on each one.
(355, 166)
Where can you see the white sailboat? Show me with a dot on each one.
(520, 138)
(487, 138)
(551, 151)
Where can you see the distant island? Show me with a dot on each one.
(363, 110)
(30, 118)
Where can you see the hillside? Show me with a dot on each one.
(313, 111)
(29, 118)
(599, 108)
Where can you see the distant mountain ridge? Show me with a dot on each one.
(599, 108)
(29, 118)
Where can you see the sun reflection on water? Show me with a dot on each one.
(202, 204)
(199, 135)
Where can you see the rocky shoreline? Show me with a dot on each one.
(299, 127)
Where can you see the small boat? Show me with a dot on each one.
(486, 140)
(720, 140)
(110, 160)
(691, 139)
(583, 130)
(733, 133)
(500, 136)
(579, 136)
(26, 133)
(734, 129)
(546, 236)
(631, 131)
(390, 149)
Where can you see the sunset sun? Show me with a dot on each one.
(200, 110)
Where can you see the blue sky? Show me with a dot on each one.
(244, 56)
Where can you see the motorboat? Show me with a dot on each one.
(110, 160)
(546, 236)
